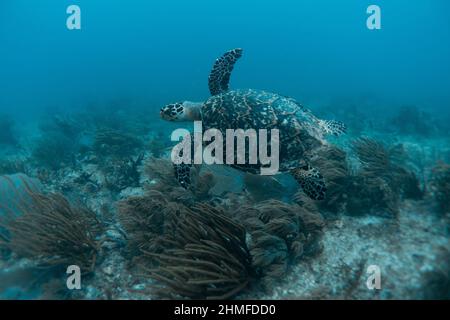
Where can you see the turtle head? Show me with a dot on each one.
(182, 111)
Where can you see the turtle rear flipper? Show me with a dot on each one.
(332, 127)
(220, 74)
(311, 182)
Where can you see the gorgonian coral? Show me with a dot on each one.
(198, 249)
(279, 234)
(115, 143)
(412, 120)
(332, 163)
(53, 151)
(161, 171)
(146, 220)
(120, 174)
(51, 231)
(381, 181)
(208, 259)
(440, 186)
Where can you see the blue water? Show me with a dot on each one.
(160, 51)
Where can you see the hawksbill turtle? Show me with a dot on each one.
(301, 134)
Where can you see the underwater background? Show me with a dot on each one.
(85, 172)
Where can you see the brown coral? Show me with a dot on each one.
(332, 164)
(440, 185)
(51, 231)
(162, 173)
(115, 143)
(146, 220)
(209, 258)
(279, 233)
(381, 181)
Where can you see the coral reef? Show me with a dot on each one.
(116, 115)
(161, 172)
(381, 182)
(67, 125)
(279, 234)
(178, 244)
(157, 146)
(332, 163)
(440, 186)
(162, 176)
(372, 195)
(412, 121)
(59, 142)
(437, 281)
(51, 231)
(118, 158)
(375, 186)
(14, 165)
(115, 143)
(120, 174)
(54, 151)
(230, 234)
(13, 187)
(146, 219)
(209, 258)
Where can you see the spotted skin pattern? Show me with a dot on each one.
(255, 109)
(301, 133)
(333, 127)
(183, 174)
(311, 182)
(219, 77)
(171, 111)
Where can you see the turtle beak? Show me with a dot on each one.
(162, 114)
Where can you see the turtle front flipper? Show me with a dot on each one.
(332, 127)
(220, 74)
(183, 174)
(311, 181)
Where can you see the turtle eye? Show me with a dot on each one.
(171, 111)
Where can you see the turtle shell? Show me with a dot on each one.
(246, 109)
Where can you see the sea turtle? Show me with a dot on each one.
(301, 134)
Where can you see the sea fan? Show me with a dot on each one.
(279, 234)
(209, 258)
(51, 231)
(440, 185)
